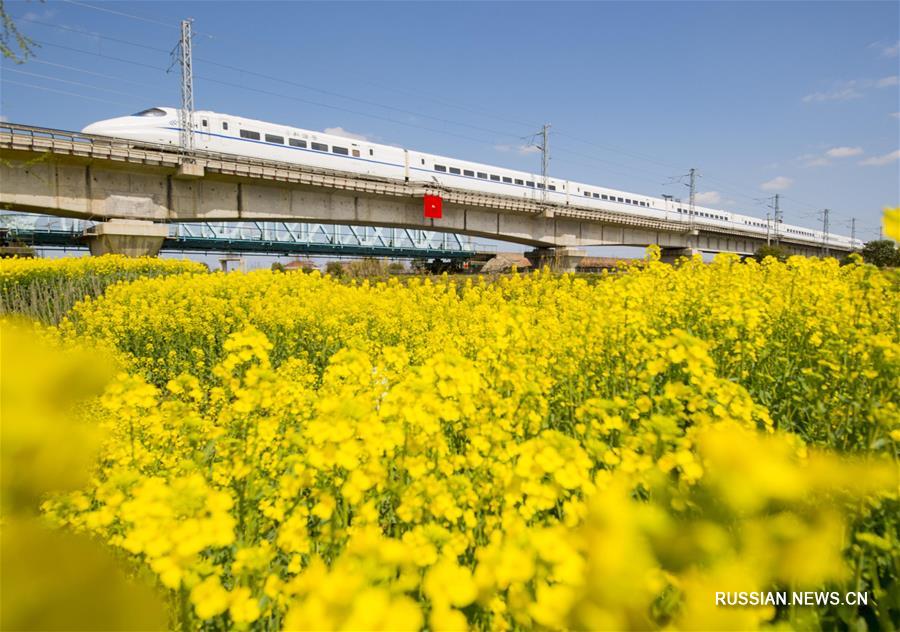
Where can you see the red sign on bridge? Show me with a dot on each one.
(433, 206)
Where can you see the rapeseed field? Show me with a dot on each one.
(277, 451)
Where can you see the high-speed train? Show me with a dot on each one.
(229, 134)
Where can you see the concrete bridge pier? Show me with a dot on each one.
(671, 255)
(559, 259)
(129, 237)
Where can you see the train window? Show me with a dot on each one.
(540, 185)
(340, 150)
(529, 184)
(204, 123)
(296, 142)
(455, 171)
(246, 133)
(319, 146)
(224, 124)
(519, 181)
(440, 168)
(151, 112)
(507, 180)
(272, 138)
(469, 172)
(620, 199)
(482, 175)
(587, 194)
(371, 152)
(627, 201)
(423, 161)
(495, 178)
(552, 187)
(604, 196)
(356, 153)
(597, 195)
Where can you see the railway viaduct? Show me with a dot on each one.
(135, 191)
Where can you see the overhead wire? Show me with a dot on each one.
(121, 13)
(84, 71)
(280, 80)
(69, 81)
(733, 189)
(71, 94)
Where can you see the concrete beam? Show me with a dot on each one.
(132, 238)
(671, 255)
(557, 259)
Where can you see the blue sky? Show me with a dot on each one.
(799, 99)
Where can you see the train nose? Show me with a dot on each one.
(110, 127)
(93, 128)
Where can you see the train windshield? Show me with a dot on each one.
(151, 112)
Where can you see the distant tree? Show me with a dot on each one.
(367, 267)
(396, 267)
(335, 269)
(277, 267)
(13, 45)
(882, 253)
(771, 251)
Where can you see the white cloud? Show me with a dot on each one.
(849, 90)
(843, 152)
(708, 197)
(887, 50)
(842, 91)
(896, 115)
(4, 118)
(522, 150)
(779, 183)
(823, 160)
(880, 161)
(340, 131)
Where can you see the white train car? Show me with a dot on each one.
(229, 134)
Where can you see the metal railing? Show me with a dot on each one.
(47, 230)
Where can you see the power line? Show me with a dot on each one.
(85, 71)
(71, 94)
(282, 80)
(271, 93)
(96, 54)
(69, 81)
(93, 34)
(121, 14)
